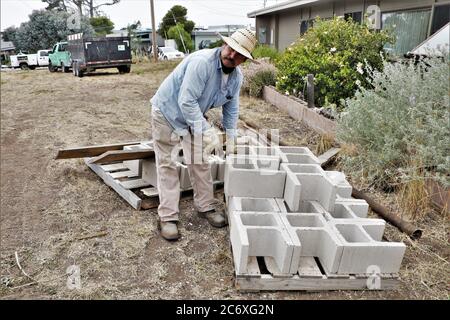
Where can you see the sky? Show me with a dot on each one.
(202, 12)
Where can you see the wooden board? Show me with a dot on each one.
(113, 167)
(326, 157)
(308, 278)
(123, 174)
(122, 155)
(127, 195)
(91, 151)
(134, 184)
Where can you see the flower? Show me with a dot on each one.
(333, 49)
(359, 68)
(286, 93)
(358, 83)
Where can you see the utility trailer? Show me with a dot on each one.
(85, 54)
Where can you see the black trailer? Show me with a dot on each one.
(91, 53)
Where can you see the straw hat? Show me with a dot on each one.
(242, 41)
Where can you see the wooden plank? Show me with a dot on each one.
(150, 192)
(91, 151)
(326, 157)
(113, 167)
(308, 268)
(123, 174)
(122, 155)
(127, 195)
(267, 282)
(134, 184)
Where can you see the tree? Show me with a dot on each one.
(9, 34)
(45, 28)
(102, 25)
(177, 14)
(178, 33)
(91, 6)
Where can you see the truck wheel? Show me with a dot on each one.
(24, 66)
(80, 73)
(124, 69)
(32, 67)
(64, 68)
(51, 68)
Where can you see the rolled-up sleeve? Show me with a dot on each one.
(191, 89)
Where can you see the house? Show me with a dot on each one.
(143, 40)
(7, 49)
(203, 36)
(411, 21)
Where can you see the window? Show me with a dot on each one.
(441, 16)
(355, 16)
(262, 35)
(410, 28)
(305, 25)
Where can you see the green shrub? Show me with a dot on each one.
(256, 76)
(400, 126)
(263, 51)
(334, 51)
(216, 44)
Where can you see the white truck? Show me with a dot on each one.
(30, 61)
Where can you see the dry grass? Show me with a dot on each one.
(48, 205)
(326, 141)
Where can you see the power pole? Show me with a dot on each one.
(155, 49)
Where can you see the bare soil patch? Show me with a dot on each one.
(46, 205)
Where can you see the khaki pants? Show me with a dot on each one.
(165, 143)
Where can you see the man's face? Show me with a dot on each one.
(231, 58)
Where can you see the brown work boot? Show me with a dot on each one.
(215, 218)
(169, 230)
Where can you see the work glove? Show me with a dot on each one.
(211, 142)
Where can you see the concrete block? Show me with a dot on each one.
(358, 207)
(261, 234)
(135, 166)
(243, 178)
(253, 204)
(361, 250)
(300, 155)
(149, 172)
(185, 181)
(308, 182)
(344, 189)
(316, 239)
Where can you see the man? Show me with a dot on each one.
(205, 79)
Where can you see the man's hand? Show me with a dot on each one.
(231, 146)
(211, 141)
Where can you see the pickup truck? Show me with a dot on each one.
(86, 54)
(30, 61)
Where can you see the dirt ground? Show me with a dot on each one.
(48, 205)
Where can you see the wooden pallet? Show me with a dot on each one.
(263, 276)
(137, 192)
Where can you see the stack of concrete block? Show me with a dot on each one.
(146, 168)
(282, 204)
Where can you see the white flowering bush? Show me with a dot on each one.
(400, 124)
(334, 51)
(256, 76)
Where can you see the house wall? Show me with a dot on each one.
(286, 23)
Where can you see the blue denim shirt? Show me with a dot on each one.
(194, 87)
